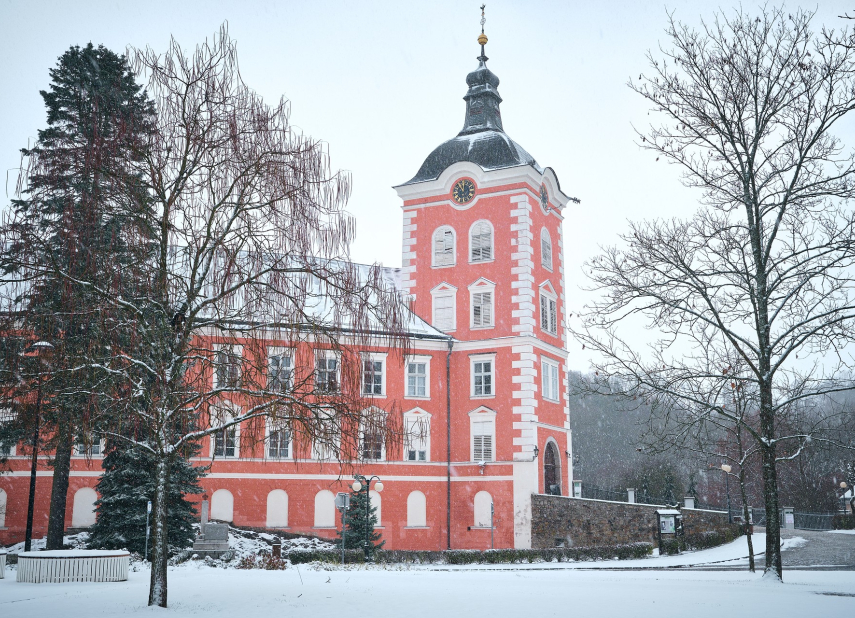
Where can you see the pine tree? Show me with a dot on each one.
(357, 526)
(127, 484)
(76, 215)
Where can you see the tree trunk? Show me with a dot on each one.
(59, 491)
(773, 518)
(159, 550)
(746, 520)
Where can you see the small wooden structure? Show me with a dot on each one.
(73, 565)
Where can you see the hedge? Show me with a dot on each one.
(472, 556)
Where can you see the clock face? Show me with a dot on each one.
(463, 191)
(544, 197)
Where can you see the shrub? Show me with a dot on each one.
(331, 556)
(843, 522)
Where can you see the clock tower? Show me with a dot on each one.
(483, 261)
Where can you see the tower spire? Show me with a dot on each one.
(482, 39)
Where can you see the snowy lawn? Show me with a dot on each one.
(198, 590)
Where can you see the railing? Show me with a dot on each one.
(592, 492)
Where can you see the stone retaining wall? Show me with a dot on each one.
(589, 523)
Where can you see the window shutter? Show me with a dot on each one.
(482, 243)
(443, 248)
(545, 249)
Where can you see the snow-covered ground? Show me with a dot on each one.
(198, 589)
(842, 531)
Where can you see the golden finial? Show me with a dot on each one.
(482, 38)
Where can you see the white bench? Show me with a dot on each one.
(73, 565)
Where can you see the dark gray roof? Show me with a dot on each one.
(482, 140)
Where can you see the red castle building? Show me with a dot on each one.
(486, 377)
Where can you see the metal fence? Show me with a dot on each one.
(802, 521)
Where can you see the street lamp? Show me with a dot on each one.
(357, 487)
(844, 487)
(726, 469)
(41, 350)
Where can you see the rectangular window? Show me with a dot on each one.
(416, 379)
(482, 309)
(279, 444)
(225, 442)
(443, 312)
(417, 442)
(280, 369)
(94, 448)
(482, 378)
(227, 366)
(372, 377)
(326, 374)
(482, 441)
(372, 444)
(550, 380)
(548, 314)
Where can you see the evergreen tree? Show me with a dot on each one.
(127, 484)
(77, 213)
(358, 527)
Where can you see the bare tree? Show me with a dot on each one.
(750, 104)
(241, 244)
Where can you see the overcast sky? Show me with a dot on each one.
(382, 83)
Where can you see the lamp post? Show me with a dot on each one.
(726, 469)
(844, 486)
(41, 350)
(357, 487)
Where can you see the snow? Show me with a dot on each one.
(73, 553)
(841, 531)
(325, 591)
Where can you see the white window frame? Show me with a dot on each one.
(547, 297)
(490, 248)
(546, 258)
(324, 452)
(274, 428)
(233, 411)
(93, 449)
(420, 417)
(473, 361)
(381, 416)
(425, 360)
(480, 287)
(444, 290)
(281, 352)
(550, 379)
(326, 355)
(476, 417)
(234, 351)
(433, 238)
(373, 357)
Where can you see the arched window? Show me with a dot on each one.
(416, 510)
(83, 511)
(551, 470)
(277, 509)
(324, 509)
(2, 508)
(222, 505)
(545, 249)
(481, 242)
(375, 502)
(443, 246)
(483, 502)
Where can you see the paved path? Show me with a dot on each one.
(821, 549)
